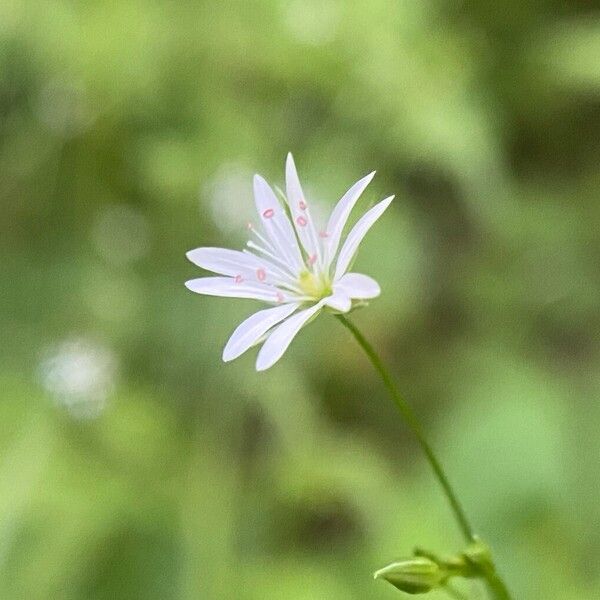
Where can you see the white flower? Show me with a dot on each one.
(292, 264)
(81, 375)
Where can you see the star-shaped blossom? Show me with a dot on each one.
(290, 263)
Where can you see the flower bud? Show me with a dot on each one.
(416, 575)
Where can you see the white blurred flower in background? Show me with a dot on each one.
(226, 193)
(80, 374)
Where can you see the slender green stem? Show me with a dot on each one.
(496, 586)
(494, 582)
(415, 425)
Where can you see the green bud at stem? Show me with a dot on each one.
(416, 575)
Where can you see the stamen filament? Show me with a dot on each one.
(285, 249)
(261, 238)
(315, 242)
(283, 266)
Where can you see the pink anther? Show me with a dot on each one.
(269, 213)
(303, 205)
(301, 221)
(280, 297)
(238, 279)
(323, 234)
(261, 274)
(312, 260)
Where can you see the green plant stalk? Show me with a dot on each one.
(496, 586)
(494, 583)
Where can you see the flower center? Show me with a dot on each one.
(315, 286)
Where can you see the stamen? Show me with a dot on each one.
(302, 221)
(281, 278)
(314, 240)
(262, 239)
(285, 245)
(323, 234)
(238, 279)
(312, 260)
(303, 205)
(261, 274)
(280, 297)
(269, 213)
(282, 265)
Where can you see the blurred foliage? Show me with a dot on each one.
(133, 463)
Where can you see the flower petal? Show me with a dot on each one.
(233, 263)
(357, 233)
(357, 285)
(341, 212)
(277, 225)
(254, 327)
(227, 287)
(282, 336)
(339, 301)
(300, 211)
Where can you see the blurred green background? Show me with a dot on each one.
(134, 464)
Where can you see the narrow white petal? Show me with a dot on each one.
(228, 288)
(254, 327)
(339, 300)
(341, 212)
(300, 211)
(282, 336)
(357, 285)
(357, 233)
(244, 266)
(233, 263)
(277, 225)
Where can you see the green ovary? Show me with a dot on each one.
(313, 285)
